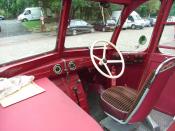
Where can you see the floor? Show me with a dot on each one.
(161, 119)
(95, 109)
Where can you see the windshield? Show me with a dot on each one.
(90, 22)
(100, 25)
(27, 28)
(138, 17)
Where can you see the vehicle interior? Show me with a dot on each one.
(119, 80)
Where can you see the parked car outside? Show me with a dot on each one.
(32, 13)
(2, 17)
(147, 22)
(152, 21)
(109, 25)
(171, 19)
(77, 26)
(116, 16)
(133, 21)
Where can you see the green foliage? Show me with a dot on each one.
(2, 12)
(153, 6)
(115, 7)
(83, 9)
(149, 8)
(172, 12)
(12, 8)
(32, 25)
(55, 5)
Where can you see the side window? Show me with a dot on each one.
(167, 41)
(131, 18)
(72, 23)
(23, 36)
(83, 23)
(27, 12)
(78, 23)
(140, 22)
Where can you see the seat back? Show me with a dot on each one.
(151, 91)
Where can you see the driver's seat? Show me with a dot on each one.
(127, 105)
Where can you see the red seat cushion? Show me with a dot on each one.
(117, 101)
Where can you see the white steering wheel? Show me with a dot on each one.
(104, 61)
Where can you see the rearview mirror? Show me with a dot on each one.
(142, 40)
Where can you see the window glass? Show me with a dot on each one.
(97, 23)
(140, 22)
(72, 23)
(130, 18)
(167, 41)
(27, 12)
(110, 22)
(83, 23)
(23, 35)
(78, 23)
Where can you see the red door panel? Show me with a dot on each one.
(166, 101)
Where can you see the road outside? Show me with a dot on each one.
(12, 28)
(16, 42)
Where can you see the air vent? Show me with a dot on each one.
(57, 69)
(72, 65)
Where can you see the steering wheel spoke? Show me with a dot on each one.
(97, 58)
(109, 72)
(104, 51)
(98, 48)
(114, 61)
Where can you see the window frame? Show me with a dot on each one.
(164, 23)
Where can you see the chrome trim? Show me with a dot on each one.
(162, 64)
(114, 118)
(71, 64)
(159, 67)
(152, 124)
(57, 69)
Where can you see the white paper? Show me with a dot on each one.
(25, 92)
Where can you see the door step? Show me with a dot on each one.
(161, 119)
